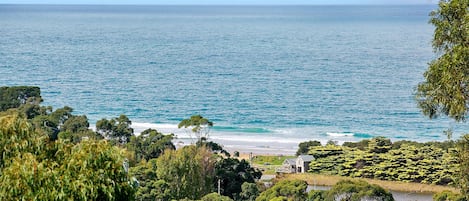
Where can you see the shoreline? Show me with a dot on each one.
(270, 143)
(255, 148)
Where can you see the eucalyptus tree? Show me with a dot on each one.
(233, 173)
(446, 87)
(249, 191)
(150, 144)
(294, 190)
(14, 97)
(35, 168)
(348, 190)
(117, 129)
(189, 171)
(150, 188)
(17, 136)
(198, 125)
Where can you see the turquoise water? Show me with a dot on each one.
(266, 74)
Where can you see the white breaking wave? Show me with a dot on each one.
(340, 134)
(154, 126)
(280, 140)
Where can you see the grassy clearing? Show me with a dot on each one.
(268, 164)
(326, 180)
(269, 160)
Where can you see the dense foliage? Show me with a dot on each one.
(51, 154)
(232, 174)
(150, 187)
(194, 171)
(36, 169)
(150, 144)
(215, 197)
(462, 156)
(14, 97)
(116, 129)
(348, 190)
(345, 190)
(445, 89)
(294, 190)
(448, 196)
(189, 171)
(198, 125)
(426, 163)
(249, 192)
(304, 147)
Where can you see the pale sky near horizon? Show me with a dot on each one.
(224, 2)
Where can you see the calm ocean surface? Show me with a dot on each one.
(265, 75)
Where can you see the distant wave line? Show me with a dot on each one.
(349, 134)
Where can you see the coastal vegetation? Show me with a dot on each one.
(53, 155)
(33, 167)
(295, 190)
(428, 163)
(379, 159)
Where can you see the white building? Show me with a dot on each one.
(296, 165)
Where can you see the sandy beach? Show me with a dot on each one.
(246, 148)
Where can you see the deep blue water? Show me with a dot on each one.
(259, 72)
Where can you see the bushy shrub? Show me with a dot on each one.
(429, 163)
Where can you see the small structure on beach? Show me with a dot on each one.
(302, 163)
(289, 165)
(296, 165)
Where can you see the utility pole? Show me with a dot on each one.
(219, 187)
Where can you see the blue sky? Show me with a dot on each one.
(224, 2)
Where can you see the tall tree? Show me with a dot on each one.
(463, 160)
(35, 168)
(76, 128)
(199, 125)
(349, 190)
(16, 136)
(446, 86)
(232, 173)
(116, 129)
(294, 190)
(51, 122)
(249, 191)
(188, 171)
(14, 97)
(150, 187)
(150, 144)
(304, 147)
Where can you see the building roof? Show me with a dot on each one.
(306, 158)
(290, 161)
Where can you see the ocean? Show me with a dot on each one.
(268, 77)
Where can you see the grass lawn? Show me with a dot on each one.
(270, 160)
(327, 180)
(268, 164)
